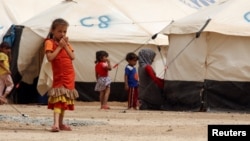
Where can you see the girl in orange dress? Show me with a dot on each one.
(60, 53)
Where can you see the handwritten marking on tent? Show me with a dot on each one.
(103, 21)
(247, 16)
(197, 4)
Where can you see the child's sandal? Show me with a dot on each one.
(65, 128)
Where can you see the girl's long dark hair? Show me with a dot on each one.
(100, 54)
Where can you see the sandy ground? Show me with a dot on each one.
(89, 123)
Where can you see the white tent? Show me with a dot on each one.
(18, 11)
(116, 26)
(217, 60)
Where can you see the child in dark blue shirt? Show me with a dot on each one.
(131, 80)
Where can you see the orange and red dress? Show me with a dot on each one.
(63, 92)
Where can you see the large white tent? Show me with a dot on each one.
(116, 26)
(17, 11)
(214, 67)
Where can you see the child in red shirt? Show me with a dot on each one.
(103, 80)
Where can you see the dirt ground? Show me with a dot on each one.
(89, 123)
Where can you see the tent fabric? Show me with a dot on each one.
(218, 58)
(183, 95)
(110, 25)
(210, 57)
(116, 26)
(16, 11)
(228, 17)
(227, 95)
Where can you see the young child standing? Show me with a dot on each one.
(6, 82)
(131, 80)
(60, 53)
(103, 80)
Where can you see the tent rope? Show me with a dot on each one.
(197, 36)
(146, 42)
(116, 73)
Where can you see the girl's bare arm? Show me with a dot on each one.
(52, 55)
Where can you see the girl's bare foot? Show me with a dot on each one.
(3, 100)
